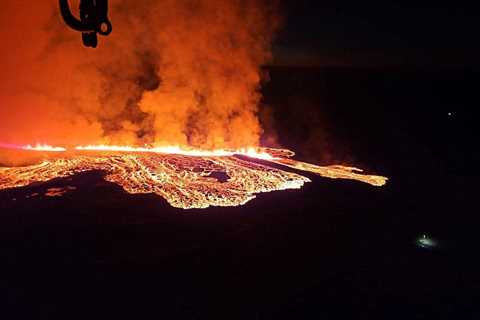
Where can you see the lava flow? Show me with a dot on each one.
(185, 178)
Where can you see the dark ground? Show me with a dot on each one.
(335, 249)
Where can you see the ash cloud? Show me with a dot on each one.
(172, 72)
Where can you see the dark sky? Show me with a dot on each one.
(367, 33)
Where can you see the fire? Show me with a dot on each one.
(250, 152)
(186, 178)
(43, 147)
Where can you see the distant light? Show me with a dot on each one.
(426, 242)
(450, 114)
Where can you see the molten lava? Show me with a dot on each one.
(185, 178)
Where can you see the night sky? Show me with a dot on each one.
(388, 33)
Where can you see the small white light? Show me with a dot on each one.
(426, 242)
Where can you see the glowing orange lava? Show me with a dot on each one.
(186, 178)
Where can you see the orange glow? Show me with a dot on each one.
(172, 73)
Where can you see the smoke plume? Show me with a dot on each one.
(183, 72)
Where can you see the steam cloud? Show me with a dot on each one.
(183, 72)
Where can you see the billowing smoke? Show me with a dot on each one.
(183, 72)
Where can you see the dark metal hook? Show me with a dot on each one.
(93, 19)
